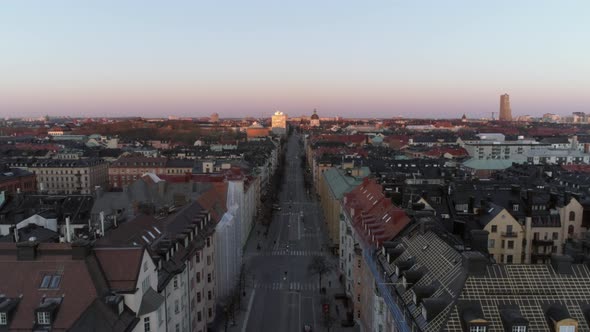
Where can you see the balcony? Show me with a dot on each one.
(539, 242)
(509, 234)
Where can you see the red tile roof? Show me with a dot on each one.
(214, 200)
(373, 215)
(23, 279)
(120, 266)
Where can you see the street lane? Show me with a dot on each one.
(286, 295)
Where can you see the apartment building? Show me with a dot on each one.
(182, 246)
(429, 282)
(63, 176)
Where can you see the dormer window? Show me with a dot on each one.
(519, 329)
(568, 328)
(477, 328)
(43, 318)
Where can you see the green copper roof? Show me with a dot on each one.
(340, 182)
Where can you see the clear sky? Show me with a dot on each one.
(351, 58)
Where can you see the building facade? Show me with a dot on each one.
(505, 110)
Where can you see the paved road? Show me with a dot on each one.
(283, 296)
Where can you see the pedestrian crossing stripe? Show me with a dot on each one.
(291, 286)
(287, 253)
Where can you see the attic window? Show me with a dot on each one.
(44, 318)
(50, 282)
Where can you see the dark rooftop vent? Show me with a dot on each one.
(411, 277)
(421, 292)
(562, 263)
(475, 262)
(394, 253)
(431, 307)
(116, 303)
(512, 319)
(26, 251)
(557, 312)
(403, 266)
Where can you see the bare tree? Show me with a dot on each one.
(320, 265)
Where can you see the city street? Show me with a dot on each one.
(282, 295)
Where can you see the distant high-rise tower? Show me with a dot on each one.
(279, 123)
(505, 111)
(214, 117)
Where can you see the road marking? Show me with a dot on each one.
(249, 309)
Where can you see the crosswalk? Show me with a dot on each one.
(288, 286)
(286, 252)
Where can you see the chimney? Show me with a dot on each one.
(102, 223)
(562, 263)
(68, 231)
(26, 251)
(479, 240)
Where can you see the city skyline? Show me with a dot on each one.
(343, 58)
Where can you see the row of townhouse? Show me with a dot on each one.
(374, 234)
(147, 275)
(177, 273)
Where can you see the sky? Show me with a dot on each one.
(374, 58)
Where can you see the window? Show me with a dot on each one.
(510, 244)
(209, 277)
(160, 315)
(494, 228)
(146, 324)
(491, 243)
(145, 266)
(145, 284)
(176, 307)
(508, 229)
(3, 320)
(44, 318)
(210, 312)
(199, 316)
(509, 259)
(199, 297)
(519, 329)
(503, 244)
(50, 281)
(198, 257)
(567, 329)
(477, 329)
(198, 276)
(175, 282)
(572, 216)
(208, 242)
(177, 327)
(209, 295)
(208, 260)
(555, 235)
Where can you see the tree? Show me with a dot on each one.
(319, 265)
